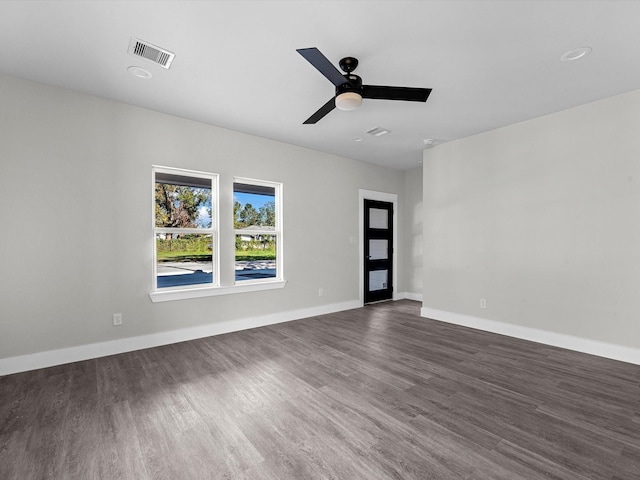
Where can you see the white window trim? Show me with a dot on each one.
(215, 289)
(186, 293)
(277, 186)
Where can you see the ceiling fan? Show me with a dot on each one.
(349, 88)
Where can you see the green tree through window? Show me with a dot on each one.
(257, 230)
(184, 227)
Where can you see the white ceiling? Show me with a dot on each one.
(490, 63)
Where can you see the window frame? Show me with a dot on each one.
(218, 229)
(277, 232)
(213, 230)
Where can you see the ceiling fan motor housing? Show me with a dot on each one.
(349, 94)
(353, 84)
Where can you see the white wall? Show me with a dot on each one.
(413, 232)
(542, 219)
(76, 242)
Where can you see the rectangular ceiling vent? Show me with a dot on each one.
(377, 131)
(151, 52)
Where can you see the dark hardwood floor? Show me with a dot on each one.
(372, 393)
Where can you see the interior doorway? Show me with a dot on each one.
(378, 251)
(378, 245)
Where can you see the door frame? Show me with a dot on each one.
(381, 197)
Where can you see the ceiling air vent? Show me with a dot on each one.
(151, 52)
(377, 131)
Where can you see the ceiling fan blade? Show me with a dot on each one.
(408, 94)
(322, 111)
(324, 66)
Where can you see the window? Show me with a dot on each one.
(185, 230)
(257, 227)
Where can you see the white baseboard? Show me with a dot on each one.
(409, 296)
(51, 358)
(578, 344)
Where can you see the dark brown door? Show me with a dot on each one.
(378, 251)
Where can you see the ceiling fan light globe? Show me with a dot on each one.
(348, 101)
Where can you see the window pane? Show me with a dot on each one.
(378, 218)
(183, 259)
(377, 280)
(182, 202)
(254, 206)
(378, 249)
(255, 257)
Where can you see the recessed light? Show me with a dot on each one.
(357, 139)
(140, 72)
(428, 141)
(575, 54)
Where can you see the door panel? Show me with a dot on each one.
(378, 280)
(378, 251)
(378, 218)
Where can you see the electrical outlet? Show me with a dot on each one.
(321, 292)
(483, 303)
(117, 319)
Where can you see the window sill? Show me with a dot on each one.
(184, 294)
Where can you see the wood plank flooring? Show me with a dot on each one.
(372, 393)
